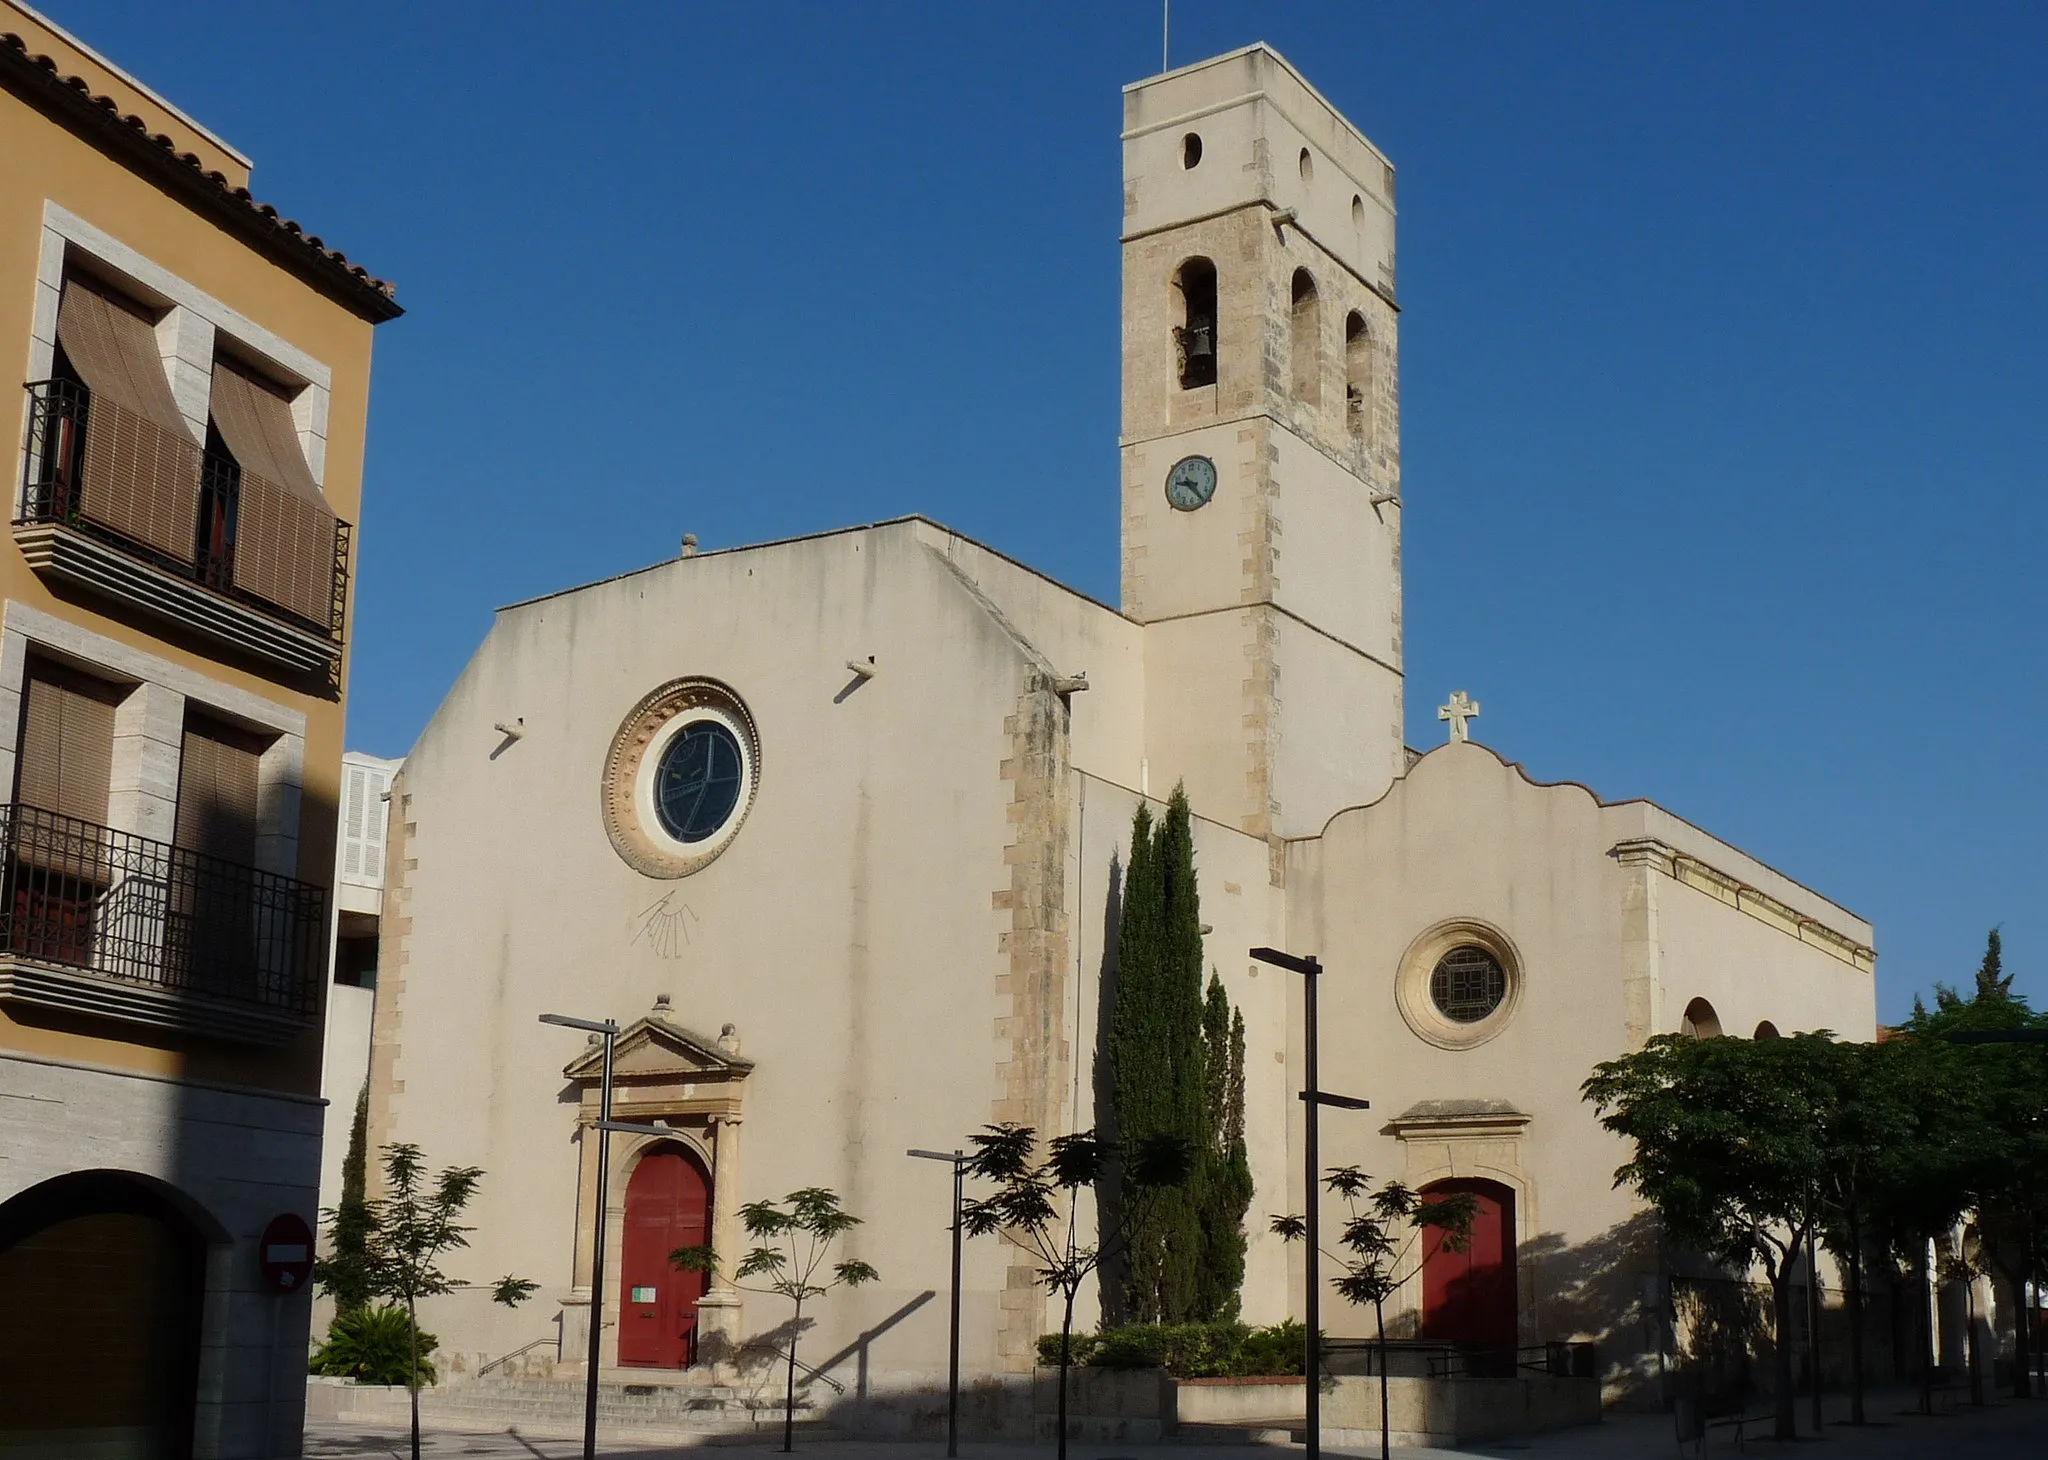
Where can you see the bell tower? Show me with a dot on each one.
(1261, 443)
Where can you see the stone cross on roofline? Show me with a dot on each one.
(1461, 708)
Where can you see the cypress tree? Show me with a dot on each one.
(1226, 1192)
(344, 1274)
(1156, 1057)
(1992, 979)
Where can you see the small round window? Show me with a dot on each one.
(698, 782)
(1467, 984)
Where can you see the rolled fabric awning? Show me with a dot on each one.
(284, 529)
(141, 464)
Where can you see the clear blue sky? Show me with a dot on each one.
(1724, 378)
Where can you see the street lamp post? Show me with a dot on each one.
(604, 1128)
(959, 1163)
(1313, 1099)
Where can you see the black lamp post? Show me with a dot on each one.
(1313, 1099)
(959, 1163)
(609, 1031)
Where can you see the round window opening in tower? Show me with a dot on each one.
(1467, 984)
(1308, 166)
(1190, 149)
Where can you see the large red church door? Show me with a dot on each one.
(1468, 1297)
(668, 1205)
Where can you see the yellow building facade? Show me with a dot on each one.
(185, 467)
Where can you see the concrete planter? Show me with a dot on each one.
(1447, 1411)
(1239, 1401)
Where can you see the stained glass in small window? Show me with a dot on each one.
(1467, 984)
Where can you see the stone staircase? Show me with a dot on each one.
(629, 1407)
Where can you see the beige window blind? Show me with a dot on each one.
(284, 530)
(141, 463)
(67, 743)
(217, 781)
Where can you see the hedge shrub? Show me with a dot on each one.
(1186, 1350)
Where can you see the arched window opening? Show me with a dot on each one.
(1767, 1030)
(1191, 150)
(1700, 1021)
(1305, 340)
(1195, 336)
(1357, 373)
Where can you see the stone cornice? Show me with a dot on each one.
(1733, 892)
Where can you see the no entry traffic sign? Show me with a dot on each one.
(286, 1253)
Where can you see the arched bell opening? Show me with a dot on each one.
(1194, 337)
(1305, 339)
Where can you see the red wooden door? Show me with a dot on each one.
(668, 1205)
(1468, 1297)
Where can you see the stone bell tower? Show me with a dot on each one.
(1261, 443)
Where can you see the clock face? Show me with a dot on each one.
(1191, 483)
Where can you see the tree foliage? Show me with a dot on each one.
(1036, 1200)
(405, 1233)
(344, 1274)
(376, 1345)
(1224, 1189)
(792, 1255)
(1730, 1140)
(1379, 1247)
(1157, 1062)
(1171, 1073)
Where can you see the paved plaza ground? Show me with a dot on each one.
(2006, 1430)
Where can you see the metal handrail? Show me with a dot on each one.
(522, 1349)
(77, 895)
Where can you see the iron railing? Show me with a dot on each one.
(54, 491)
(81, 896)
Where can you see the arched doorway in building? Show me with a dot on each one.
(668, 1205)
(1468, 1296)
(103, 1281)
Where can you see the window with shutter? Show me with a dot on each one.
(284, 530)
(141, 474)
(67, 742)
(217, 785)
(352, 826)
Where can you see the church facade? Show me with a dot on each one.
(832, 827)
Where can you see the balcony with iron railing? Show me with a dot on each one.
(117, 504)
(106, 923)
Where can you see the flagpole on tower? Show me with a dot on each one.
(1165, 34)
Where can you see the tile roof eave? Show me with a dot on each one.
(99, 118)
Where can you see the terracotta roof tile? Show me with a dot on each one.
(285, 232)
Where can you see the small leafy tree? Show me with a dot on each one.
(410, 1228)
(1372, 1247)
(793, 1240)
(1034, 1208)
(1730, 1141)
